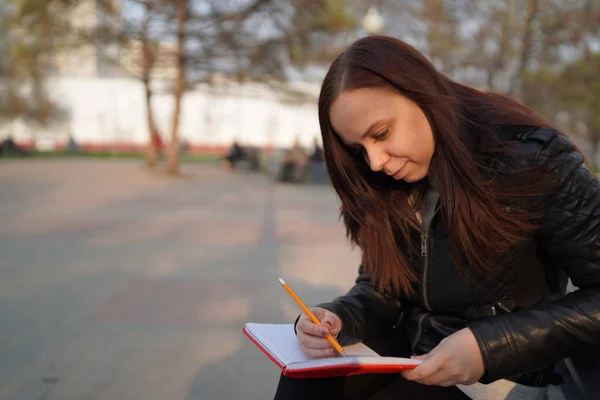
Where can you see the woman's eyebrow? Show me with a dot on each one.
(364, 135)
(368, 131)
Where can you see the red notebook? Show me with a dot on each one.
(279, 343)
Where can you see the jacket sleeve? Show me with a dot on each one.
(568, 239)
(364, 310)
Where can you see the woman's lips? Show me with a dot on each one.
(400, 173)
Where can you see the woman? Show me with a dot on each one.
(470, 213)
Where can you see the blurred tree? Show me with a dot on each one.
(471, 41)
(572, 98)
(258, 40)
(144, 52)
(149, 53)
(182, 15)
(563, 78)
(580, 97)
(11, 103)
(493, 44)
(541, 52)
(31, 32)
(318, 30)
(498, 45)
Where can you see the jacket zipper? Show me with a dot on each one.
(419, 331)
(425, 256)
(503, 307)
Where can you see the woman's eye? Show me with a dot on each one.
(382, 135)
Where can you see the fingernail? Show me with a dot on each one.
(323, 332)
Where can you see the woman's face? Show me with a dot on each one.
(390, 130)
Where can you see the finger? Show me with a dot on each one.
(438, 378)
(422, 357)
(330, 321)
(447, 383)
(313, 342)
(424, 370)
(306, 326)
(318, 353)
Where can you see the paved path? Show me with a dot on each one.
(119, 284)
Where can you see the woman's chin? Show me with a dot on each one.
(413, 177)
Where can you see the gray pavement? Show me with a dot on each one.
(116, 283)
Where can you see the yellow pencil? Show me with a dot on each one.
(312, 317)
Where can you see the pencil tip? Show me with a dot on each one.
(281, 281)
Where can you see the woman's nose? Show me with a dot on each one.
(376, 158)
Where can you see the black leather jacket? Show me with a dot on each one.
(518, 315)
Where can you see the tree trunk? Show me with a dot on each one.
(37, 100)
(490, 80)
(526, 45)
(498, 62)
(147, 65)
(173, 149)
(152, 150)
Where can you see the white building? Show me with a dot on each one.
(105, 106)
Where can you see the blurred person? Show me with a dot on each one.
(470, 211)
(158, 144)
(9, 147)
(184, 146)
(72, 145)
(234, 155)
(294, 162)
(317, 154)
(298, 156)
(316, 168)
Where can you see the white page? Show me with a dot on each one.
(280, 340)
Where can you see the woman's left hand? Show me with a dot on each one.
(456, 360)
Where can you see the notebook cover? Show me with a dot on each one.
(345, 370)
(329, 371)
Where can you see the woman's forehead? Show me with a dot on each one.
(354, 112)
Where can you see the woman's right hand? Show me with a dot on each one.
(313, 337)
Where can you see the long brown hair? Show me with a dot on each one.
(379, 212)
